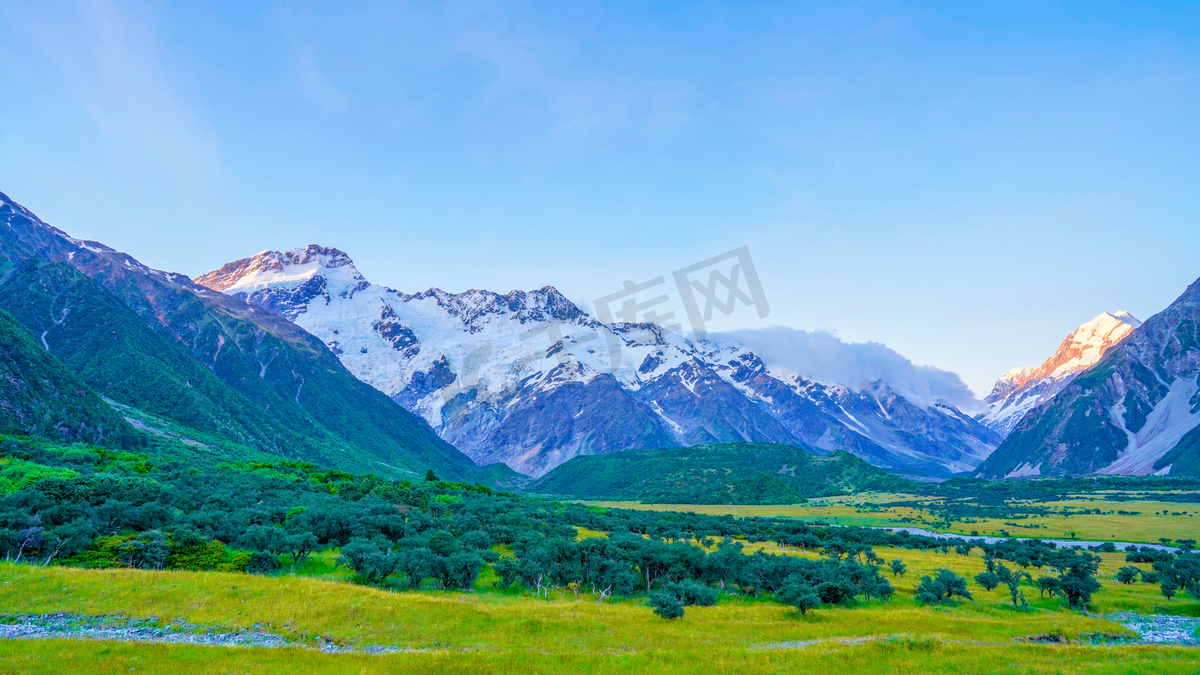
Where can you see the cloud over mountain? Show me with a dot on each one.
(823, 357)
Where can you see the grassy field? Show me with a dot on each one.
(899, 656)
(487, 631)
(875, 509)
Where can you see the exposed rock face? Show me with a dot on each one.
(530, 379)
(1136, 411)
(1020, 390)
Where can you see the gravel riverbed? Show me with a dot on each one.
(124, 629)
(1160, 628)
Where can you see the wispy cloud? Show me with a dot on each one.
(823, 357)
(111, 63)
(577, 103)
(314, 87)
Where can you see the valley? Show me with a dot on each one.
(281, 466)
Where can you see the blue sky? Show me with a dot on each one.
(964, 182)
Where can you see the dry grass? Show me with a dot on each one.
(866, 509)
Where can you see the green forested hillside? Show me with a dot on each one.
(158, 342)
(118, 355)
(114, 352)
(40, 396)
(725, 473)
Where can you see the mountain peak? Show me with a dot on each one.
(286, 269)
(1021, 389)
(1081, 350)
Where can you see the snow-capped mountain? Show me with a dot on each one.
(1020, 390)
(529, 379)
(1135, 411)
(156, 342)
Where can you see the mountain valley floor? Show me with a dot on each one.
(490, 630)
(1136, 517)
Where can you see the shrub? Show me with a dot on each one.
(262, 562)
(693, 593)
(666, 605)
(838, 592)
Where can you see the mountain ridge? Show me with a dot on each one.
(257, 362)
(529, 378)
(1138, 405)
(1022, 389)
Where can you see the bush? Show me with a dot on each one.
(666, 605)
(837, 592)
(693, 593)
(263, 563)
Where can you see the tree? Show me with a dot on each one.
(300, 546)
(431, 477)
(799, 595)
(1077, 579)
(462, 569)
(148, 550)
(508, 569)
(692, 593)
(989, 580)
(1047, 585)
(1012, 580)
(945, 586)
(372, 560)
(265, 538)
(898, 567)
(417, 565)
(1128, 575)
(836, 592)
(666, 605)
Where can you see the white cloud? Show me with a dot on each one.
(823, 357)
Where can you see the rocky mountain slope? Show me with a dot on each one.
(1136, 411)
(531, 380)
(39, 396)
(156, 341)
(1020, 390)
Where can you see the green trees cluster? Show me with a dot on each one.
(1172, 571)
(82, 506)
(942, 587)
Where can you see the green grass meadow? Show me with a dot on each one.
(490, 631)
(1153, 519)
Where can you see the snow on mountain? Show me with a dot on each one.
(530, 379)
(1020, 390)
(1136, 410)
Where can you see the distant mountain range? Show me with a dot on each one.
(531, 380)
(297, 355)
(161, 344)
